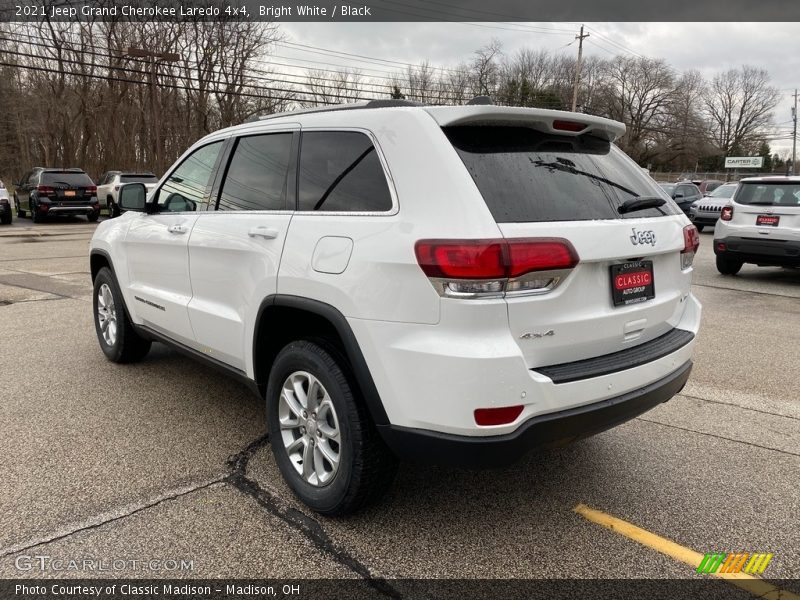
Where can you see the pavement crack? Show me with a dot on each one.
(732, 289)
(763, 412)
(110, 516)
(719, 437)
(298, 520)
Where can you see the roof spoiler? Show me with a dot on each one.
(549, 121)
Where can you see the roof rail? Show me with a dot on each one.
(378, 103)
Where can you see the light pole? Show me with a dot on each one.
(153, 59)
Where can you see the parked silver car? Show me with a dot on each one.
(706, 211)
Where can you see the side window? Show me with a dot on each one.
(256, 176)
(341, 171)
(187, 186)
(32, 178)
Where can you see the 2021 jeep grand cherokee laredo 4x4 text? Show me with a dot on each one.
(446, 284)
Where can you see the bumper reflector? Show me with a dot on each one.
(497, 416)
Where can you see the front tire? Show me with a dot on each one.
(6, 218)
(728, 266)
(323, 439)
(118, 340)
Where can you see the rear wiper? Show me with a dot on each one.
(640, 203)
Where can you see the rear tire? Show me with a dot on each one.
(20, 213)
(93, 216)
(118, 339)
(700, 227)
(728, 266)
(307, 429)
(36, 216)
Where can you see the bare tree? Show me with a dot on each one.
(739, 105)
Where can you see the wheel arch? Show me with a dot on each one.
(283, 318)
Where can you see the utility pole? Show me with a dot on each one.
(153, 59)
(794, 134)
(578, 37)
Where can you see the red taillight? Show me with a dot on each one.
(727, 213)
(91, 189)
(527, 256)
(561, 125)
(691, 242)
(482, 268)
(45, 190)
(462, 259)
(497, 416)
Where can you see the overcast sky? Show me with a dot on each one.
(708, 47)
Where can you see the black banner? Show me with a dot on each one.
(330, 589)
(399, 10)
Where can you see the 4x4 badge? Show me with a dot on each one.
(643, 237)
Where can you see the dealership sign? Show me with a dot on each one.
(733, 162)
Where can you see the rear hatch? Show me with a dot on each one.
(68, 187)
(770, 207)
(632, 274)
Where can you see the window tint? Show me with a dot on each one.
(138, 179)
(526, 175)
(341, 171)
(186, 187)
(66, 178)
(769, 194)
(256, 177)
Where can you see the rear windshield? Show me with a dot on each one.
(66, 178)
(138, 179)
(525, 175)
(769, 193)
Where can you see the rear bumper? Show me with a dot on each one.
(554, 429)
(772, 252)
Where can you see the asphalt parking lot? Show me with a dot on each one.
(167, 460)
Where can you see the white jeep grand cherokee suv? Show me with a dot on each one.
(445, 284)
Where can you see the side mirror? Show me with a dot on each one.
(132, 196)
(678, 196)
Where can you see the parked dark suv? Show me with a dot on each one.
(684, 193)
(42, 192)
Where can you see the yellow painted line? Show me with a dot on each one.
(754, 585)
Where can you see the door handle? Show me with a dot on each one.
(176, 229)
(265, 232)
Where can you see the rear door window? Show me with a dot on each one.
(256, 177)
(340, 171)
(526, 175)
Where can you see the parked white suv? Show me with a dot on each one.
(444, 284)
(109, 183)
(760, 225)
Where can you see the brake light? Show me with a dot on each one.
(91, 189)
(497, 416)
(727, 213)
(561, 125)
(691, 242)
(45, 190)
(493, 268)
